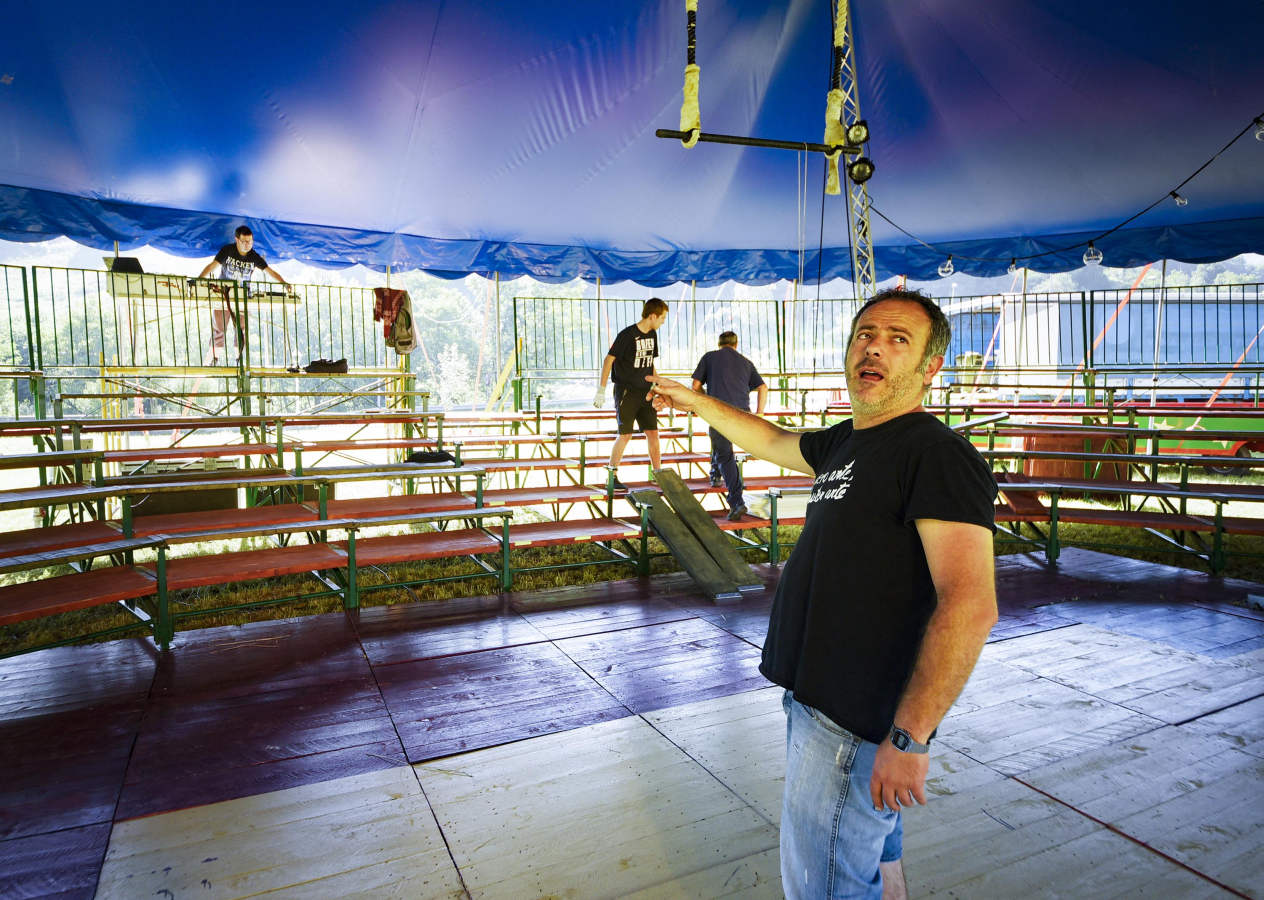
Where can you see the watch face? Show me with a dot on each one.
(900, 739)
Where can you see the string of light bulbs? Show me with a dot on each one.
(1092, 255)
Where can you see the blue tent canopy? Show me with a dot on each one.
(519, 138)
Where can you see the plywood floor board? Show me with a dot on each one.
(1075, 743)
(75, 678)
(475, 700)
(260, 657)
(1119, 780)
(757, 877)
(739, 739)
(647, 815)
(406, 642)
(1095, 865)
(604, 617)
(1235, 650)
(60, 864)
(667, 665)
(993, 683)
(1049, 713)
(66, 769)
(955, 839)
(1242, 725)
(367, 833)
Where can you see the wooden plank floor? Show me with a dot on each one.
(616, 740)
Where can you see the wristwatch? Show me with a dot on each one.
(904, 742)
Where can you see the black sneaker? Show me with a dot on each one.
(737, 512)
(617, 485)
(717, 481)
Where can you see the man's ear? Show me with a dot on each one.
(933, 365)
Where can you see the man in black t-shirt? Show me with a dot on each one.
(237, 262)
(729, 376)
(884, 604)
(629, 361)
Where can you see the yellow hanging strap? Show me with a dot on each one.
(834, 132)
(690, 117)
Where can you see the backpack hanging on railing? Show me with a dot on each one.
(394, 309)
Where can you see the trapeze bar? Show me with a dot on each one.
(758, 142)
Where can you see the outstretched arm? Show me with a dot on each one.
(961, 564)
(207, 271)
(277, 275)
(753, 434)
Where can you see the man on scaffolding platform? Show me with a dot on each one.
(237, 262)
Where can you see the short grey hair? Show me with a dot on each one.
(940, 328)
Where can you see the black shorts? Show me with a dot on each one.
(634, 409)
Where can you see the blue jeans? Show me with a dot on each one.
(832, 839)
(723, 463)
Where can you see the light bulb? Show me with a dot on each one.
(946, 267)
(1013, 266)
(1092, 256)
(858, 132)
(1259, 128)
(1180, 201)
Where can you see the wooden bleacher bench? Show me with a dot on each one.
(549, 534)
(78, 590)
(390, 549)
(79, 534)
(127, 583)
(1155, 522)
(544, 495)
(211, 451)
(49, 459)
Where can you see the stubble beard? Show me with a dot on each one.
(895, 393)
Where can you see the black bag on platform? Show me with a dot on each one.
(430, 456)
(326, 367)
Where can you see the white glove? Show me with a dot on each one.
(599, 398)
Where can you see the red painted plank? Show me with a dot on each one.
(247, 565)
(404, 503)
(39, 540)
(209, 519)
(546, 494)
(396, 548)
(548, 534)
(79, 590)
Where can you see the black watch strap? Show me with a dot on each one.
(904, 742)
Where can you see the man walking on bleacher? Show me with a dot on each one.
(630, 360)
(729, 376)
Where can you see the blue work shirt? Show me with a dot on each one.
(728, 376)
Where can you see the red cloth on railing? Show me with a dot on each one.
(386, 305)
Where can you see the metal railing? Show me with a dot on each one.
(89, 319)
(74, 323)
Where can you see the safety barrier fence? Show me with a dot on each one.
(1176, 340)
(84, 319)
(67, 323)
